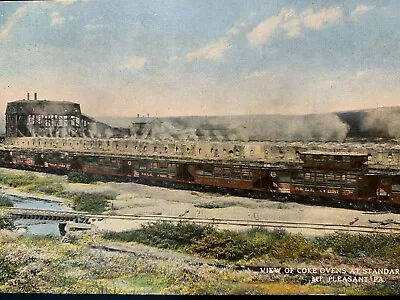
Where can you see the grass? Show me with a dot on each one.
(163, 234)
(372, 245)
(233, 246)
(88, 202)
(46, 265)
(212, 205)
(271, 246)
(32, 183)
(91, 202)
(142, 284)
(208, 242)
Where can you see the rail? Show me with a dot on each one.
(39, 214)
(82, 217)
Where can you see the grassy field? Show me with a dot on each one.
(256, 243)
(48, 265)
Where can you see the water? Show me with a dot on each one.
(36, 227)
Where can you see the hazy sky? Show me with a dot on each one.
(202, 57)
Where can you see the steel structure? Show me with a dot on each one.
(54, 119)
(31, 118)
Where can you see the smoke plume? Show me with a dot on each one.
(326, 127)
(382, 121)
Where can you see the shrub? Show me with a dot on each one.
(233, 246)
(6, 203)
(163, 234)
(32, 183)
(6, 222)
(17, 180)
(274, 234)
(50, 189)
(92, 203)
(293, 247)
(226, 245)
(80, 177)
(352, 245)
(211, 205)
(261, 240)
(7, 271)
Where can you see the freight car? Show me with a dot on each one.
(322, 175)
(52, 136)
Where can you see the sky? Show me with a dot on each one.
(207, 57)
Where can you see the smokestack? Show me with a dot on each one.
(27, 96)
(35, 96)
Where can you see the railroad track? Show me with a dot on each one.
(375, 227)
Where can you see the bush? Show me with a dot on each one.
(80, 177)
(226, 245)
(274, 234)
(211, 205)
(293, 247)
(352, 245)
(32, 183)
(233, 246)
(163, 234)
(260, 241)
(7, 271)
(18, 180)
(91, 203)
(6, 222)
(50, 189)
(6, 203)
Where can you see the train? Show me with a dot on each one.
(54, 136)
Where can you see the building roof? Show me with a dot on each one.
(43, 107)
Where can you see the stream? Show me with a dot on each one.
(36, 227)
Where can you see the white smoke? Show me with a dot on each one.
(384, 120)
(326, 127)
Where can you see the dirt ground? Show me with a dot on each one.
(138, 199)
